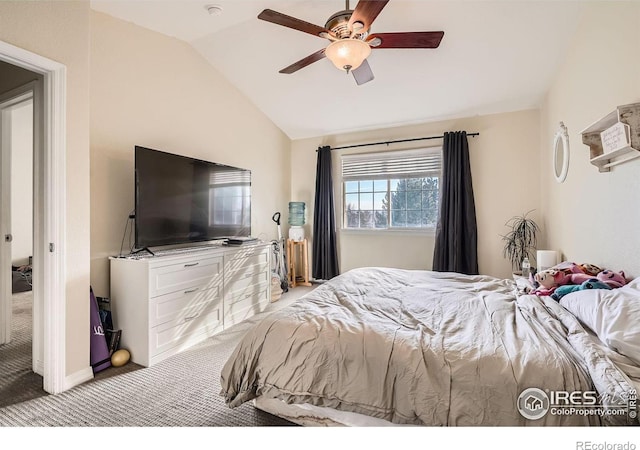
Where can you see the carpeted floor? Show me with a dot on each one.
(181, 391)
(18, 382)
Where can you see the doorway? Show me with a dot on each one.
(21, 377)
(20, 360)
(49, 213)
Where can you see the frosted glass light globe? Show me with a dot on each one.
(347, 54)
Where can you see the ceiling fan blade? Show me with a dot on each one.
(363, 73)
(304, 62)
(418, 39)
(366, 12)
(272, 16)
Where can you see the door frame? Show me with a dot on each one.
(49, 214)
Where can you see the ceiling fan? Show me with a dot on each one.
(351, 40)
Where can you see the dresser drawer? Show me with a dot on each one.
(241, 279)
(187, 274)
(246, 304)
(235, 263)
(182, 304)
(186, 331)
(246, 252)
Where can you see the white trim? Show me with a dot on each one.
(78, 377)
(426, 232)
(38, 366)
(55, 229)
(50, 208)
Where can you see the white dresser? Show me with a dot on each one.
(169, 302)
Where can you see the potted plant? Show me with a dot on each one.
(520, 241)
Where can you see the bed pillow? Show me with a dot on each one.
(614, 315)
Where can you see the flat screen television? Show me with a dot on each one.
(182, 200)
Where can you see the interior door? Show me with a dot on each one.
(5, 223)
(8, 102)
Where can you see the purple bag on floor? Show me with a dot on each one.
(99, 355)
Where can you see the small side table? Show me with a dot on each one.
(297, 250)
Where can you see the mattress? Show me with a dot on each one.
(306, 414)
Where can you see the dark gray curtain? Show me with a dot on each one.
(456, 248)
(325, 248)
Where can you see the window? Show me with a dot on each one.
(392, 190)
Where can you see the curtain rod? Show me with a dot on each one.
(398, 141)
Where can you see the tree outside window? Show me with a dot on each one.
(392, 203)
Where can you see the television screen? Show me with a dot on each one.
(181, 200)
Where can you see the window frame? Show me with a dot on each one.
(389, 154)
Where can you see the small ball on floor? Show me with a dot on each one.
(120, 357)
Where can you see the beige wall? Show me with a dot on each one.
(152, 90)
(60, 31)
(22, 183)
(504, 165)
(594, 217)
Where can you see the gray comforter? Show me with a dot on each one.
(419, 347)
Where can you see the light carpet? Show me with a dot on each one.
(181, 391)
(18, 382)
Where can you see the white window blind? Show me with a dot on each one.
(229, 177)
(398, 164)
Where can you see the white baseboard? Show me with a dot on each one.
(38, 367)
(77, 378)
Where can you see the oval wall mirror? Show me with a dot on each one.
(561, 153)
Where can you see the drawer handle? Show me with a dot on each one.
(189, 291)
(191, 265)
(187, 319)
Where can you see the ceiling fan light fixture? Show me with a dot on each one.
(347, 54)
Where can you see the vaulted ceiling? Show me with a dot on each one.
(496, 56)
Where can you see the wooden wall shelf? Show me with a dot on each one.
(603, 157)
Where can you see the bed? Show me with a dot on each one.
(382, 346)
